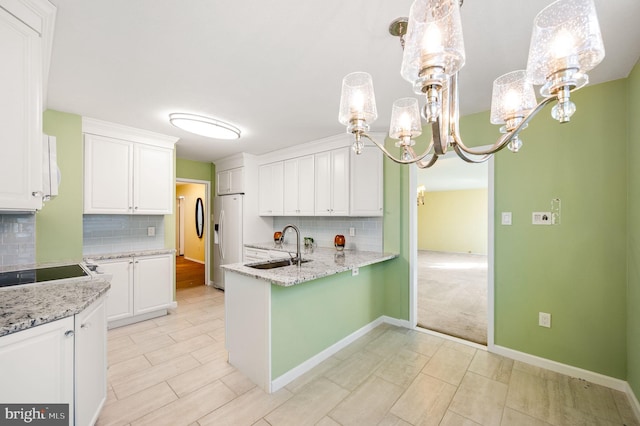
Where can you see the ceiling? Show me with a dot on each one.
(274, 69)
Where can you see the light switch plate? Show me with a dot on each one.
(506, 218)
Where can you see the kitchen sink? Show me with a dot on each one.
(272, 264)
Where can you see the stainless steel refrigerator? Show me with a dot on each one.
(227, 234)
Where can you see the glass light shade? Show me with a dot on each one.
(513, 96)
(433, 39)
(204, 126)
(405, 119)
(566, 35)
(357, 102)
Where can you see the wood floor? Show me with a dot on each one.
(173, 371)
(188, 273)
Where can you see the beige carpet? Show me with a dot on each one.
(452, 294)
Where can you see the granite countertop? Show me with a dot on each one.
(324, 262)
(29, 305)
(124, 255)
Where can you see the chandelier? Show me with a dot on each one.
(565, 44)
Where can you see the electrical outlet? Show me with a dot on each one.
(355, 271)
(541, 218)
(151, 231)
(352, 232)
(506, 218)
(544, 319)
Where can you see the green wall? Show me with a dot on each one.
(633, 263)
(308, 318)
(576, 271)
(59, 223)
(198, 170)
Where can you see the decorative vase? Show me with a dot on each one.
(277, 237)
(339, 242)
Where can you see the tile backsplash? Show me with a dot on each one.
(368, 230)
(17, 239)
(103, 234)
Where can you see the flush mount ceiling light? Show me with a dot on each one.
(204, 126)
(566, 42)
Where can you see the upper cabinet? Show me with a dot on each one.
(366, 182)
(299, 178)
(230, 181)
(126, 170)
(270, 191)
(26, 31)
(332, 183)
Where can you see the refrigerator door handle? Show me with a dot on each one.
(221, 233)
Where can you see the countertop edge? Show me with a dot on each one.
(98, 289)
(126, 254)
(284, 282)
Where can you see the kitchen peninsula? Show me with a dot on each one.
(281, 322)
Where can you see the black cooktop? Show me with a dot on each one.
(29, 276)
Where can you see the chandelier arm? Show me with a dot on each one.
(416, 159)
(504, 139)
(425, 165)
(468, 159)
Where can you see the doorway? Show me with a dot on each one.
(192, 247)
(451, 250)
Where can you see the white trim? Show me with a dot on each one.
(413, 247)
(491, 228)
(568, 370)
(395, 321)
(142, 317)
(202, 262)
(119, 131)
(633, 401)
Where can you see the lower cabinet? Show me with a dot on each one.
(91, 363)
(64, 361)
(141, 288)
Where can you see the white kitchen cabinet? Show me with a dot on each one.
(366, 172)
(141, 288)
(21, 85)
(255, 255)
(230, 181)
(332, 182)
(38, 363)
(270, 189)
(299, 191)
(124, 177)
(90, 363)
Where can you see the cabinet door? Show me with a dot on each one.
(20, 115)
(38, 363)
(153, 283)
(108, 174)
(340, 182)
(120, 298)
(91, 362)
(153, 180)
(367, 182)
(236, 178)
(271, 187)
(322, 170)
(223, 182)
(290, 188)
(306, 189)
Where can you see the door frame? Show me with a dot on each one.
(206, 231)
(413, 251)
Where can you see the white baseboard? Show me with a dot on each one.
(633, 401)
(565, 369)
(194, 260)
(307, 365)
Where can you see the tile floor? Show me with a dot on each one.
(173, 371)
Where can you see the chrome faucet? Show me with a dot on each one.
(298, 258)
